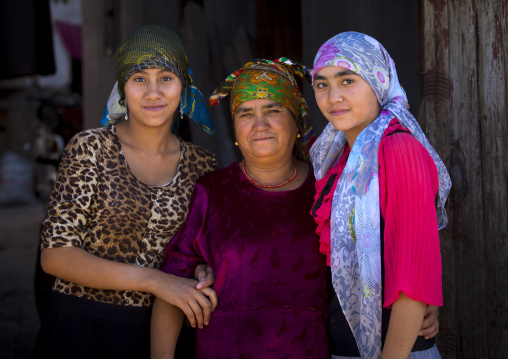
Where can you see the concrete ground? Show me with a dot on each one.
(19, 241)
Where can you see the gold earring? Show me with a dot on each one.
(236, 143)
(298, 135)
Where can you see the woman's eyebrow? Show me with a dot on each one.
(345, 72)
(165, 70)
(272, 105)
(243, 109)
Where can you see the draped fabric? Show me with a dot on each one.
(355, 218)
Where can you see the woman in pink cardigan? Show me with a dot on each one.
(381, 190)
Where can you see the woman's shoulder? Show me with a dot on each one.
(197, 159)
(403, 159)
(398, 140)
(92, 135)
(199, 152)
(225, 177)
(401, 144)
(221, 175)
(90, 140)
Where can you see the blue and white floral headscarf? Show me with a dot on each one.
(355, 218)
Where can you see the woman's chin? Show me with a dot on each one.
(267, 154)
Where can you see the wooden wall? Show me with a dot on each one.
(464, 112)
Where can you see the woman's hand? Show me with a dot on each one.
(204, 275)
(78, 266)
(430, 326)
(197, 304)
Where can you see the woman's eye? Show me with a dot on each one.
(347, 81)
(320, 85)
(139, 79)
(166, 78)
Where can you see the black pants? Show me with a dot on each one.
(77, 328)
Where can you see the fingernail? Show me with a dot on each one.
(206, 323)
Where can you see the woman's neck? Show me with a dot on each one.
(270, 173)
(147, 139)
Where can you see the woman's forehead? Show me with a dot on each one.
(334, 71)
(156, 70)
(254, 103)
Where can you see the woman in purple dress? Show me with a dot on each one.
(250, 223)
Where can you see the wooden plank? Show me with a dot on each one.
(195, 36)
(492, 83)
(434, 117)
(99, 69)
(277, 32)
(468, 198)
(132, 17)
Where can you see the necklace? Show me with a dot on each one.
(270, 186)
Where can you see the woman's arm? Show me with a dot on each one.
(78, 266)
(405, 322)
(165, 328)
(408, 185)
(408, 176)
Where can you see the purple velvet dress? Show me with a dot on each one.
(270, 276)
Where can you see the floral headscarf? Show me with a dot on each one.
(274, 80)
(155, 46)
(355, 218)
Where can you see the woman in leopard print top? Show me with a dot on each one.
(122, 193)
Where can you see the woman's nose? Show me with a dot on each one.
(153, 89)
(260, 121)
(335, 94)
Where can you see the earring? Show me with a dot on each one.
(236, 143)
(126, 115)
(181, 112)
(298, 135)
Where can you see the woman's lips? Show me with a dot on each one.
(154, 108)
(338, 112)
(262, 138)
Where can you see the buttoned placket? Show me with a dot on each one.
(155, 217)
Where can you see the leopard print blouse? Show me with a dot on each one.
(99, 205)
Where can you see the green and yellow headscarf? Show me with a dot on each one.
(156, 46)
(272, 80)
